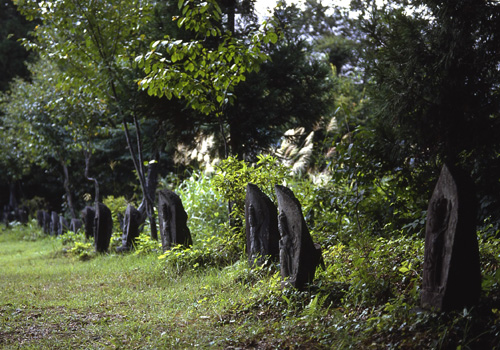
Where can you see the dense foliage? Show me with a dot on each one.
(355, 112)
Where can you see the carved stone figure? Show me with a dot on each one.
(173, 221)
(299, 256)
(103, 227)
(261, 226)
(88, 216)
(451, 276)
(131, 222)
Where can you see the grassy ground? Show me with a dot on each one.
(50, 299)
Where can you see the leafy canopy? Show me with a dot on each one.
(205, 70)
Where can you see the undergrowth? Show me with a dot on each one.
(366, 296)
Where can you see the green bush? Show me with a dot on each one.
(233, 175)
(375, 270)
(75, 244)
(219, 250)
(144, 244)
(203, 203)
(117, 206)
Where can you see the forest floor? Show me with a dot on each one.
(52, 300)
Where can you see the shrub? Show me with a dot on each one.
(233, 175)
(203, 203)
(220, 249)
(144, 244)
(117, 206)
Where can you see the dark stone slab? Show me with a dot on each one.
(75, 225)
(88, 216)
(103, 228)
(261, 226)
(54, 223)
(451, 276)
(47, 219)
(299, 256)
(23, 214)
(131, 223)
(39, 218)
(63, 225)
(173, 221)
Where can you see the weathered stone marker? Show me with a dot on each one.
(54, 223)
(131, 223)
(88, 216)
(39, 218)
(63, 225)
(261, 226)
(451, 276)
(47, 219)
(299, 256)
(173, 221)
(103, 227)
(75, 225)
(23, 214)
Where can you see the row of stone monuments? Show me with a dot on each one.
(282, 237)
(451, 276)
(55, 224)
(9, 214)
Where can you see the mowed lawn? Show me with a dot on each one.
(49, 300)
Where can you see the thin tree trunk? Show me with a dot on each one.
(88, 155)
(147, 206)
(67, 188)
(13, 195)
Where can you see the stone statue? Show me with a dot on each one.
(173, 221)
(299, 256)
(261, 226)
(451, 277)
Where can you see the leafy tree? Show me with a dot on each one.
(13, 27)
(96, 43)
(436, 75)
(290, 90)
(50, 123)
(205, 70)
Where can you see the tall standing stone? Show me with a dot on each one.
(54, 223)
(299, 256)
(131, 222)
(451, 276)
(39, 218)
(173, 221)
(88, 216)
(103, 227)
(47, 219)
(261, 226)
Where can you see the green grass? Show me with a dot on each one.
(50, 299)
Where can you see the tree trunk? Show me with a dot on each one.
(147, 206)
(67, 188)
(13, 203)
(88, 155)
